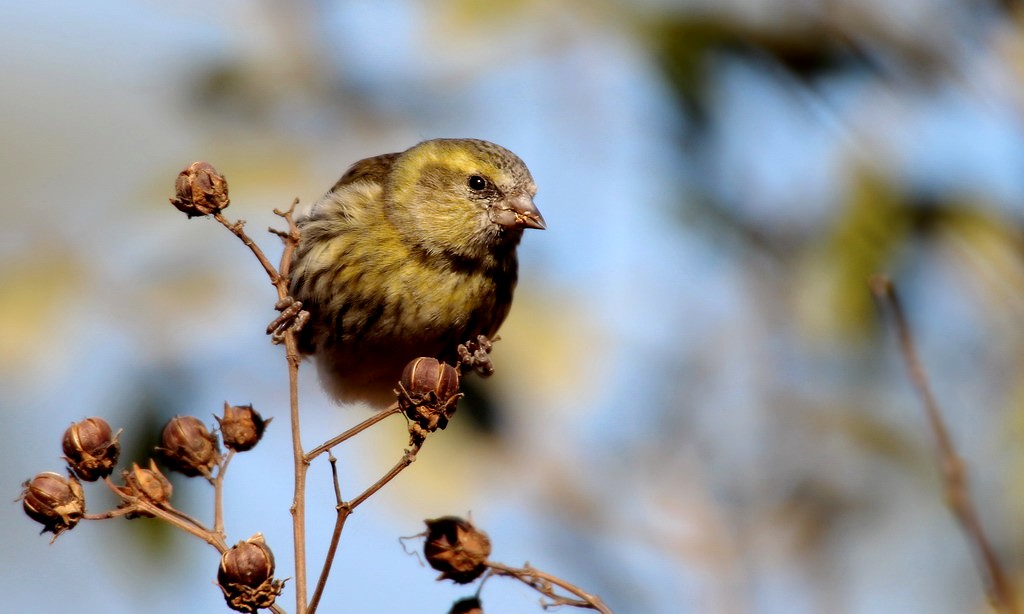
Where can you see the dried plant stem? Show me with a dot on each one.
(279, 277)
(544, 583)
(332, 549)
(293, 357)
(168, 514)
(407, 459)
(189, 519)
(238, 228)
(298, 508)
(344, 508)
(218, 495)
(954, 473)
(115, 513)
(352, 432)
(283, 332)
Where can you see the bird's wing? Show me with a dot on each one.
(371, 169)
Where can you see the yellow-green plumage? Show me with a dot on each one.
(409, 256)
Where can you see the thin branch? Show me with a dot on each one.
(291, 241)
(168, 515)
(954, 473)
(280, 280)
(284, 329)
(345, 509)
(339, 523)
(189, 519)
(114, 513)
(300, 465)
(218, 495)
(298, 508)
(238, 229)
(352, 432)
(407, 459)
(544, 584)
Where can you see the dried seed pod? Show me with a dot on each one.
(149, 485)
(469, 605)
(54, 501)
(188, 446)
(246, 576)
(91, 449)
(428, 394)
(200, 190)
(456, 548)
(242, 427)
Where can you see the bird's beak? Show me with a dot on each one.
(518, 212)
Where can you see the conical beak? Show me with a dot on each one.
(518, 212)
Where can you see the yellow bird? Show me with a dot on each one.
(410, 254)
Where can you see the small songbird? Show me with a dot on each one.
(408, 255)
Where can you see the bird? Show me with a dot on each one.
(409, 254)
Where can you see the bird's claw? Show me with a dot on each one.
(475, 354)
(292, 318)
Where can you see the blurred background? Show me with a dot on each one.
(696, 406)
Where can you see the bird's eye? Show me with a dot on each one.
(476, 183)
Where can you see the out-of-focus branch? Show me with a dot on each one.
(545, 583)
(954, 473)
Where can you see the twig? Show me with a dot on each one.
(238, 229)
(283, 329)
(114, 513)
(218, 495)
(279, 277)
(189, 519)
(954, 473)
(407, 459)
(298, 507)
(176, 519)
(345, 508)
(542, 582)
(352, 432)
(167, 514)
(291, 241)
(339, 523)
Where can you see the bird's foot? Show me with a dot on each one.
(476, 355)
(292, 318)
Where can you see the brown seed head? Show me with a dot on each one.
(246, 576)
(150, 485)
(456, 548)
(242, 427)
(91, 449)
(188, 446)
(200, 190)
(428, 393)
(54, 501)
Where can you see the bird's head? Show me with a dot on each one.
(464, 197)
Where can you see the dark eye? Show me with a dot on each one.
(476, 183)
